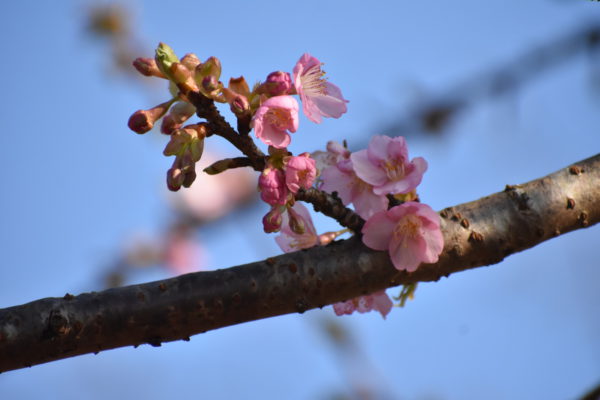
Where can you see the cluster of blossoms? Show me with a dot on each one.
(369, 179)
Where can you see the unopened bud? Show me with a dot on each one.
(178, 114)
(142, 121)
(239, 85)
(182, 77)
(189, 178)
(190, 61)
(175, 179)
(278, 83)
(273, 219)
(165, 57)
(210, 84)
(296, 222)
(148, 67)
(211, 67)
(239, 105)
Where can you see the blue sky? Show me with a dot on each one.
(77, 183)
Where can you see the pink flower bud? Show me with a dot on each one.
(142, 121)
(179, 113)
(273, 219)
(271, 183)
(148, 67)
(278, 83)
(190, 61)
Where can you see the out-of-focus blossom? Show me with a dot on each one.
(350, 188)
(378, 301)
(273, 189)
(274, 118)
(320, 98)
(300, 172)
(289, 240)
(385, 165)
(335, 153)
(182, 252)
(410, 232)
(212, 196)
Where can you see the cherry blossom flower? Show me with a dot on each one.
(410, 232)
(385, 165)
(335, 153)
(320, 98)
(274, 118)
(272, 186)
(378, 301)
(289, 240)
(342, 179)
(300, 172)
(182, 253)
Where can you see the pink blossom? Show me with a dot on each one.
(350, 188)
(212, 196)
(410, 232)
(319, 97)
(274, 118)
(278, 83)
(182, 253)
(300, 172)
(271, 183)
(378, 301)
(385, 165)
(335, 153)
(289, 240)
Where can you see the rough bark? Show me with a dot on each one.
(478, 233)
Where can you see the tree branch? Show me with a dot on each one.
(478, 233)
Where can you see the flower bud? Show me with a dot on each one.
(178, 114)
(239, 85)
(240, 105)
(175, 179)
(296, 222)
(211, 67)
(189, 177)
(148, 67)
(182, 77)
(165, 57)
(190, 61)
(273, 219)
(278, 83)
(142, 121)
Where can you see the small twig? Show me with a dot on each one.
(332, 206)
(219, 126)
(228, 163)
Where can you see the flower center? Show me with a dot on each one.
(313, 83)
(408, 227)
(279, 118)
(394, 169)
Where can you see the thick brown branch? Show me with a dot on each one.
(478, 233)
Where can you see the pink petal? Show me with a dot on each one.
(407, 253)
(366, 203)
(366, 170)
(274, 137)
(382, 303)
(378, 230)
(335, 180)
(378, 148)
